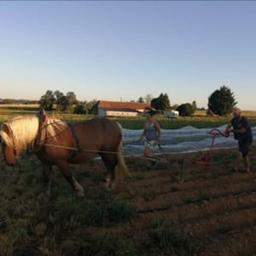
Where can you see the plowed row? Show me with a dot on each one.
(215, 205)
(180, 208)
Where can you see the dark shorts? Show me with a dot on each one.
(244, 147)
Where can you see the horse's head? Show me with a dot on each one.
(8, 146)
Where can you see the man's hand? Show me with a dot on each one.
(226, 131)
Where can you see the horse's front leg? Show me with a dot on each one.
(64, 168)
(47, 177)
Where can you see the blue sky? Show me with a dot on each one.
(113, 50)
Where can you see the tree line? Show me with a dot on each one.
(65, 102)
(220, 102)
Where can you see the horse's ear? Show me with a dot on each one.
(42, 116)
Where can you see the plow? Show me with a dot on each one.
(206, 157)
(202, 159)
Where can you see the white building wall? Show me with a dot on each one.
(101, 112)
(120, 113)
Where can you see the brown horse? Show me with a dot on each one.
(59, 143)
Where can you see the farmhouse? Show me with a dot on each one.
(119, 108)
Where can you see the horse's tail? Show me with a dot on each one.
(121, 169)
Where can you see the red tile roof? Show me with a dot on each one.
(117, 105)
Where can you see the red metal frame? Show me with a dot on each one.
(206, 157)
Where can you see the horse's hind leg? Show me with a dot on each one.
(110, 164)
(63, 166)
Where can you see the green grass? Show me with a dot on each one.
(102, 246)
(222, 158)
(33, 224)
(165, 239)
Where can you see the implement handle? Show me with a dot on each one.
(215, 132)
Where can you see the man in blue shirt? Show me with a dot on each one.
(241, 128)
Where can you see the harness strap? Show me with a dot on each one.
(75, 138)
(42, 133)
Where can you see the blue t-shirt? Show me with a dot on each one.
(242, 122)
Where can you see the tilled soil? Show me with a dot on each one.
(215, 205)
(178, 203)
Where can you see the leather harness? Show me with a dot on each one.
(42, 129)
(75, 139)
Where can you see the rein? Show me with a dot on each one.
(152, 159)
(79, 149)
(75, 139)
(45, 126)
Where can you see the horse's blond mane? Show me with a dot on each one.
(24, 130)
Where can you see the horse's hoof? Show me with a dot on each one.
(110, 187)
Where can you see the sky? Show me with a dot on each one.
(123, 50)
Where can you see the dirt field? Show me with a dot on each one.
(173, 208)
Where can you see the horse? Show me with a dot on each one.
(60, 143)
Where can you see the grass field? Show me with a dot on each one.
(174, 208)
(165, 210)
(199, 120)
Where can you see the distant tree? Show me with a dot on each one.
(63, 103)
(186, 109)
(59, 100)
(72, 101)
(221, 101)
(155, 103)
(92, 107)
(140, 100)
(71, 98)
(58, 94)
(148, 98)
(6, 101)
(161, 103)
(47, 100)
(80, 108)
(175, 106)
(194, 105)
